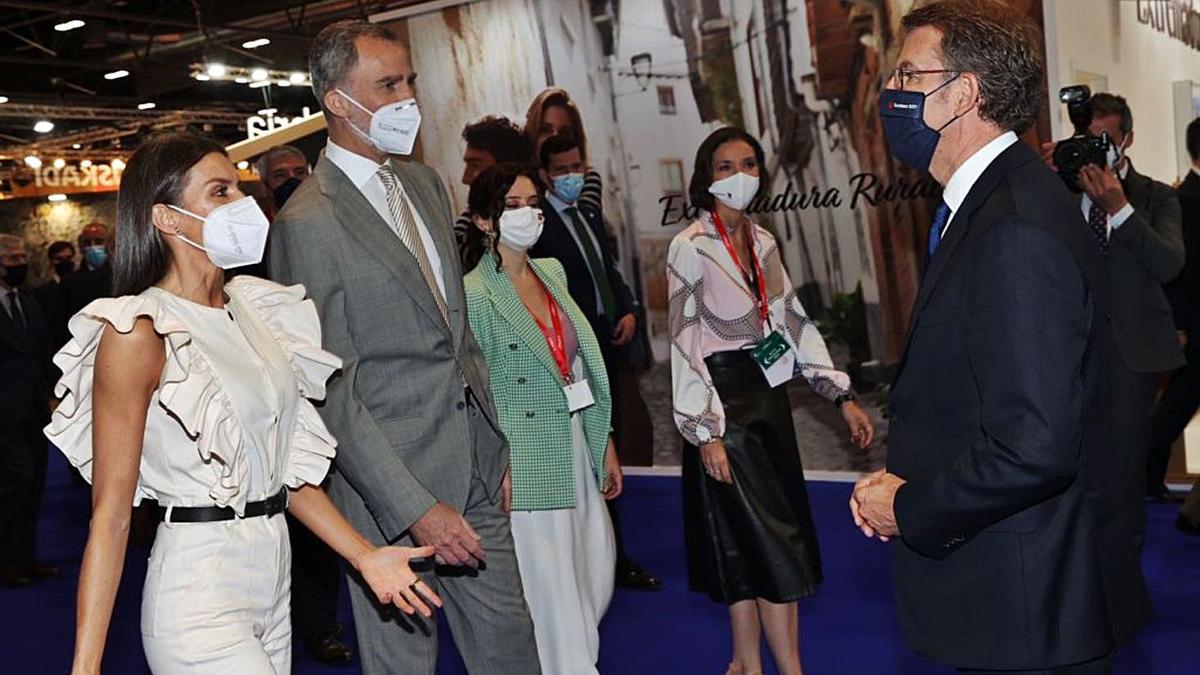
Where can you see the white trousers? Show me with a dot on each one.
(567, 559)
(216, 598)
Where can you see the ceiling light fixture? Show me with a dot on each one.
(203, 77)
(243, 165)
(118, 164)
(60, 163)
(242, 80)
(57, 197)
(76, 146)
(33, 162)
(260, 83)
(255, 44)
(217, 70)
(69, 25)
(146, 106)
(85, 164)
(44, 127)
(116, 74)
(283, 83)
(259, 74)
(3, 99)
(297, 78)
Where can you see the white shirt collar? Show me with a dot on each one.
(558, 204)
(357, 168)
(964, 177)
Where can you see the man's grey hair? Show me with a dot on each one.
(11, 242)
(268, 158)
(334, 53)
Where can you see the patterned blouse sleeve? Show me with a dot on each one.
(698, 412)
(812, 356)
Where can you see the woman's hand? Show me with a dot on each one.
(614, 480)
(861, 430)
(386, 571)
(716, 462)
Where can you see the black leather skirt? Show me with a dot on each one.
(754, 538)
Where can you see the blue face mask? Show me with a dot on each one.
(568, 187)
(96, 256)
(909, 139)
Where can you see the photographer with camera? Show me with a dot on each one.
(1136, 222)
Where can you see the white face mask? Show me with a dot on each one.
(520, 228)
(735, 191)
(393, 127)
(235, 234)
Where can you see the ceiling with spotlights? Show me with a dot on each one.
(102, 74)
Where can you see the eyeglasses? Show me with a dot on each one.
(904, 77)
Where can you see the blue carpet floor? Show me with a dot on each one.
(848, 627)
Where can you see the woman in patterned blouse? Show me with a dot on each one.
(737, 332)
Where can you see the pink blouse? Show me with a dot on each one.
(713, 310)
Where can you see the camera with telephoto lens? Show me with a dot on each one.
(1083, 148)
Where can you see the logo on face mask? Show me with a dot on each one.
(521, 228)
(235, 234)
(393, 126)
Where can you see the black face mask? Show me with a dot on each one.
(64, 268)
(285, 190)
(15, 276)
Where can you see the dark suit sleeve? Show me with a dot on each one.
(1027, 327)
(626, 301)
(1155, 235)
(394, 496)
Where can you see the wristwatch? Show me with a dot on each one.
(842, 398)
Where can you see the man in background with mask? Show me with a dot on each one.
(1011, 552)
(25, 352)
(1137, 224)
(61, 256)
(93, 279)
(421, 457)
(574, 235)
(282, 169)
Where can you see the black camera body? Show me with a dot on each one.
(1083, 148)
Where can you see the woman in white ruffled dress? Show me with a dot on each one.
(194, 393)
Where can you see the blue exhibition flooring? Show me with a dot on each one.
(848, 627)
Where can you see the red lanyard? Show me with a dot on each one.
(555, 339)
(758, 284)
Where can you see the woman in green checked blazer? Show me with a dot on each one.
(551, 391)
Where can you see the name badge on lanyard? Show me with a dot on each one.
(771, 349)
(578, 393)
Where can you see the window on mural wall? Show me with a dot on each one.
(666, 100)
(670, 176)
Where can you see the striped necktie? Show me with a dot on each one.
(406, 229)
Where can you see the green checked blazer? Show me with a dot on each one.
(526, 386)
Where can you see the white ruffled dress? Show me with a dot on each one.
(230, 423)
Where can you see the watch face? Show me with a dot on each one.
(702, 434)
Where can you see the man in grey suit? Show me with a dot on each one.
(421, 457)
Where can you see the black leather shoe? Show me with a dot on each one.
(1186, 526)
(633, 577)
(1162, 495)
(328, 648)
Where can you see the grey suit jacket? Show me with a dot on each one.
(1146, 252)
(404, 437)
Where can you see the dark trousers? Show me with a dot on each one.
(603, 328)
(316, 578)
(1179, 402)
(1100, 666)
(23, 456)
(1133, 399)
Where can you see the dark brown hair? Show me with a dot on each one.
(1106, 105)
(702, 172)
(992, 41)
(554, 97)
(486, 200)
(498, 137)
(156, 174)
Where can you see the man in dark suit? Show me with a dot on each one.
(1136, 222)
(24, 410)
(93, 279)
(1181, 397)
(1012, 555)
(575, 236)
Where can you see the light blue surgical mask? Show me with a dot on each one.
(567, 187)
(96, 256)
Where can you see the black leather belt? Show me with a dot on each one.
(209, 514)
